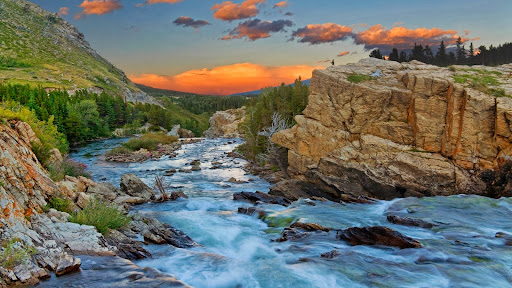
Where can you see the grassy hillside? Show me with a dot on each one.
(40, 48)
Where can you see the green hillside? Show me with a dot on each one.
(40, 48)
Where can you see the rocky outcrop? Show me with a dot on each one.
(47, 241)
(133, 186)
(413, 131)
(225, 124)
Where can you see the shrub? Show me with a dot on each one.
(60, 204)
(15, 252)
(149, 141)
(101, 215)
(357, 78)
(67, 167)
(118, 151)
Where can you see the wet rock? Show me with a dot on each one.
(309, 227)
(127, 247)
(196, 168)
(406, 221)
(260, 197)
(133, 186)
(154, 231)
(170, 171)
(251, 211)
(506, 236)
(290, 234)
(215, 167)
(331, 255)
(176, 195)
(234, 154)
(377, 235)
(233, 180)
(67, 264)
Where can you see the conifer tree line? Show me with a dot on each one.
(285, 101)
(86, 116)
(492, 56)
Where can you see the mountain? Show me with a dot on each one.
(40, 48)
(156, 92)
(257, 92)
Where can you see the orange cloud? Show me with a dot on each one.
(151, 2)
(399, 37)
(229, 11)
(98, 7)
(281, 4)
(227, 80)
(343, 53)
(63, 11)
(322, 33)
(257, 29)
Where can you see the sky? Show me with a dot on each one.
(226, 47)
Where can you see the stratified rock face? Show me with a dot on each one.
(224, 124)
(411, 132)
(24, 187)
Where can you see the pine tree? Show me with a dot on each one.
(376, 54)
(393, 56)
(441, 56)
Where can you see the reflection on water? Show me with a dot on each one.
(237, 251)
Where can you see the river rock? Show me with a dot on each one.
(251, 211)
(160, 233)
(67, 264)
(176, 195)
(411, 132)
(309, 227)
(377, 235)
(103, 191)
(331, 255)
(260, 197)
(409, 221)
(184, 133)
(290, 234)
(234, 181)
(133, 186)
(127, 247)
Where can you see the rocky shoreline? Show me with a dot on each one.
(48, 241)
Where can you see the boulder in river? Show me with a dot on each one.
(251, 211)
(331, 255)
(260, 197)
(409, 221)
(377, 235)
(133, 186)
(309, 227)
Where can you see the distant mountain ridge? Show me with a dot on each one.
(257, 92)
(38, 47)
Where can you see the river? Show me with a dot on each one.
(237, 250)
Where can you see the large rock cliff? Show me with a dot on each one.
(224, 124)
(411, 131)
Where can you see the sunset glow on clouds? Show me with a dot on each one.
(98, 7)
(63, 11)
(399, 37)
(322, 33)
(281, 4)
(228, 79)
(257, 29)
(229, 11)
(150, 38)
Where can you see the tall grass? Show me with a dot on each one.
(101, 215)
(149, 141)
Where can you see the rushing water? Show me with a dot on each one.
(237, 250)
